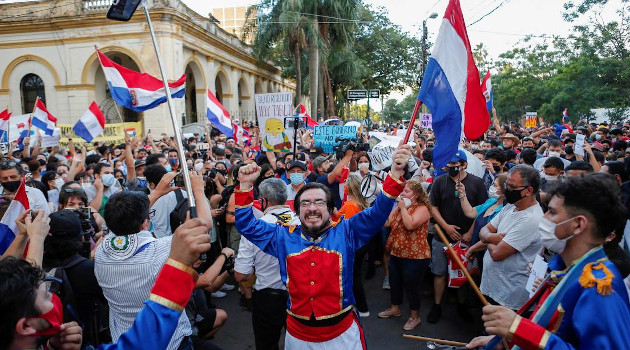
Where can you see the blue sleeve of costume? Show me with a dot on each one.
(364, 225)
(261, 233)
(153, 328)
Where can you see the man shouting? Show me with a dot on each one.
(316, 257)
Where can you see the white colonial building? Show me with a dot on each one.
(47, 50)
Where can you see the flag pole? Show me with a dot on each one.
(116, 104)
(412, 121)
(171, 108)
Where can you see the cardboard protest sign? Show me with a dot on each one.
(326, 135)
(426, 122)
(51, 140)
(271, 110)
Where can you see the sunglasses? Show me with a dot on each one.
(74, 190)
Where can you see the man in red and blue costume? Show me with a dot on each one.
(582, 303)
(316, 257)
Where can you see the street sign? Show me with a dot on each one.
(375, 93)
(357, 94)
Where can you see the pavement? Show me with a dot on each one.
(238, 334)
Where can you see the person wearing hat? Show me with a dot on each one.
(65, 250)
(321, 165)
(447, 212)
(296, 173)
(509, 141)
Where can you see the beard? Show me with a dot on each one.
(315, 232)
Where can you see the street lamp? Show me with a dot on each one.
(423, 64)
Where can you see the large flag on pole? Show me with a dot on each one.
(451, 90)
(4, 125)
(43, 119)
(486, 90)
(137, 91)
(218, 115)
(91, 124)
(8, 227)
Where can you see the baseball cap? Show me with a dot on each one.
(460, 155)
(297, 163)
(317, 162)
(316, 151)
(65, 224)
(139, 162)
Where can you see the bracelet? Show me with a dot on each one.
(225, 255)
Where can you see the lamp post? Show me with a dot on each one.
(422, 66)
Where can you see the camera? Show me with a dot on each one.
(85, 215)
(349, 144)
(179, 180)
(213, 173)
(294, 122)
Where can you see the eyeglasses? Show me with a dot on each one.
(73, 190)
(318, 203)
(508, 187)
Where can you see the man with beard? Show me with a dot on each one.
(316, 257)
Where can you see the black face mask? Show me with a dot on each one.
(513, 196)
(330, 168)
(568, 149)
(453, 171)
(121, 181)
(11, 186)
(496, 168)
(280, 171)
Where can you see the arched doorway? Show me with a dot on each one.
(243, 101)
(31, 87)
(222, 89)
(190, 97)
(103, 96)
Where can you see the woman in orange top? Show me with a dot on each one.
(355, 204)
(409, 249)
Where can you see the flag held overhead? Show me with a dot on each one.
(218, 115)
(8, 227)
(91, 124)
(43, 119)
(137, 91)
(450, 88)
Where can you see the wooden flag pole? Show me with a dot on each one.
(416, 109)
(439, 341)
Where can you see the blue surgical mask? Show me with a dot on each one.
(108, 180)
(297, 178)
(172, 161)
(168, 168)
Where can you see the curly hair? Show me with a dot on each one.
(421, 194)
(353, 185)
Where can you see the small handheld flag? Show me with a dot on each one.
(4, 125)
(310, 123)
(43, 119)
(218, 115)
(486, 89)
(91, 124)
(8, 227)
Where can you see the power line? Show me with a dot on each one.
(431, 8)
(487, 14)
(517, 34)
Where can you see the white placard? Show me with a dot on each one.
(271, 110)
(51, 141)
(539, 269)
(579, 145)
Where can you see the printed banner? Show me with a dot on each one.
(326, 136)
(271, 110)
(114, 133)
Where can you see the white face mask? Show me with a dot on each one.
(547, 230)
(553, 154)
(364, 165)
(549, 178)
(58, 183)
(493, 192)
(198, 167)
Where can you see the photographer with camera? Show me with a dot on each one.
(73, 197)
(336, 174)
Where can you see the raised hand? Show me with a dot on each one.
(248, 175)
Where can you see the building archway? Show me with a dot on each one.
(244, 100)
(222, 88)
(31, 88)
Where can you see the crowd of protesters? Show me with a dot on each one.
(106, 219)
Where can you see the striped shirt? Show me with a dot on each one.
(127, 283)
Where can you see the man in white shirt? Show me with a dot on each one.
(11, 178)
(160, 212)
(513, 240)
(270, 296)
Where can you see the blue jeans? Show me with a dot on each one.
(407, 274)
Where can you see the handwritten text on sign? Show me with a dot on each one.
(325, 135)
(427, 121)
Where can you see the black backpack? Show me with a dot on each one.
(95, 329)
(178, 215)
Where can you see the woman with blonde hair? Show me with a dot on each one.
(355, 204)
(410, 250)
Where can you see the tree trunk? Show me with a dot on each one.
(313, 67)
(328, 91)
(321, 108)
(298, 75)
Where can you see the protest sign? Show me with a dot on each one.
(326, 135)
(203, 146)
(381, 157)
(538, 270)
(51, 140)
(579, 144)
(271, 110)
(114, 133)
(426, 122)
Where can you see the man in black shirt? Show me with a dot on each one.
(448, 213)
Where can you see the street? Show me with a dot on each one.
(380, 333)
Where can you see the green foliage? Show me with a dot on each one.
(395, 111)
(587, 70)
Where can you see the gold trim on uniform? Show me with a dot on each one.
(544, 340)
(395, 179)
(183, 267)
(244, 190)
(513, 328)
(561, 313)
(165, 302)
(243, 206)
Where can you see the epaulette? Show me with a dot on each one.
(604, 283)
(291, 227)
